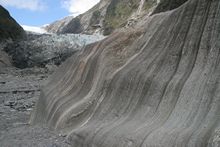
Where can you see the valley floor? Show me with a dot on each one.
(19, 90)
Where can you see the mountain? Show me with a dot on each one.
(105, 17)
(157, 85)
(40, 50)
(110, 15)
(9, 28)
(36, 48)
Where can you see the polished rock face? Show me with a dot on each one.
(154, 87)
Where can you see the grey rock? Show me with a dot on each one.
(156, 87)
(5, 60)
(19, 90)
(10, 103)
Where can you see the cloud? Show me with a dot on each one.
(33, 5)
(34, 29)
(77, 7)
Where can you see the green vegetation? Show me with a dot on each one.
(119, 11)
(149, 4)
(96, 16)
(117, 14)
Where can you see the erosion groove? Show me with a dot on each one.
(153, 87)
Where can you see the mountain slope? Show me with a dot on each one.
(104, 17)
(156, 87)
(9, 28)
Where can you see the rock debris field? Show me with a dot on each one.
(19, 91)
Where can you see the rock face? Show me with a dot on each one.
(156, 87)
(105, 17)
(9, 28)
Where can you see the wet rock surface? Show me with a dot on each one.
(19, 90)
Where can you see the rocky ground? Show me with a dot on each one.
(19, 90)
(36, 58)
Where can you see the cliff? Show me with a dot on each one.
(156, 86)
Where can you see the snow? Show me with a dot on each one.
(41, 49)
(34, 29)
(67, 39)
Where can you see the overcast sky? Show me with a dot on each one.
(40, 12)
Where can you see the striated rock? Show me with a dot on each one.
(156, 87)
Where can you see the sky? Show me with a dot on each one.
(42, 12)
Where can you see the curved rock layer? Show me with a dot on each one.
(156, 88)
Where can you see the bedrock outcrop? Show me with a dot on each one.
(158, 86)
